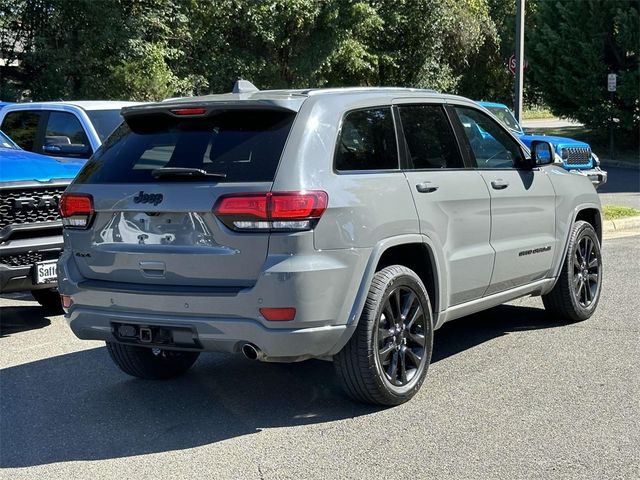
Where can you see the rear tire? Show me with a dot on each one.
(576, 293)
(49, 299)
(386, 359)
(151, 363)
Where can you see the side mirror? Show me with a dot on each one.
(542, 153)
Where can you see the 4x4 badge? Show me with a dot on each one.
(142, 197)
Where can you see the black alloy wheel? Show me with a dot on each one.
(576, 292)
(586, 271)
(386, 359)
(400, 337)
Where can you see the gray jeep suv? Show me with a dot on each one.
(339, 224)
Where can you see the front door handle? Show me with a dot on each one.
(426, 187)
(499, 184)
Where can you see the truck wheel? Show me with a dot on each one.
(151, 363)
(386, 359)
(576, 293)
(49, 299)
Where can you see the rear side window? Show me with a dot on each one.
(65, 137)
(239, 145)
(430, 139)
(367, 141)
(22, 128)
(104, 121)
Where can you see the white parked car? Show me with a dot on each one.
(73, 129)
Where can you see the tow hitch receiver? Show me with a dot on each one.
(145, 335)
(184, 337)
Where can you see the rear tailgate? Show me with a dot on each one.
(159, 228)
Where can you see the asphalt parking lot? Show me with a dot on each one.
(510, 394)
(622, 187)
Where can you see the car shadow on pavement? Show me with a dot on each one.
(467, 332)
(20, 319)
(80, 407)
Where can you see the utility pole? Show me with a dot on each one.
(519, 59)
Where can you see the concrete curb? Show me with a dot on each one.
(628, 225)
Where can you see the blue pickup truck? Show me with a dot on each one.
(571, 154)
(30, 226)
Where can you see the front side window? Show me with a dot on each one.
(65, 137)
(491, 146)
(505, 116)
(22, 128)
(429, 136)
(367, 141)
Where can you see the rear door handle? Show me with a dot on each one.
(499, 184)
(426, 187)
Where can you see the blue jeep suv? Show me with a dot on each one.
(571, 154)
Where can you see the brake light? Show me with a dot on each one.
(273, 211)
(189, 111)
(76, 210)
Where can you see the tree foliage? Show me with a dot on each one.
(151, 49)
(576, 44)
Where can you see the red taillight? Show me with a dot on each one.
(298, 205)
(243, 205)
(76, 210)
(277, 211)
(278, 314)
(189, 111)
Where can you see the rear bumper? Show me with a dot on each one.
(596, 175)
(320, 286)
(218, 335)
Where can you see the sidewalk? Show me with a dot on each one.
(621, 226)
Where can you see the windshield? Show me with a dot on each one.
(232, 145)
(6, 142)
(105, 121)
(506, 117)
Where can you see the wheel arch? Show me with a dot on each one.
(408, 250)
(590, 213)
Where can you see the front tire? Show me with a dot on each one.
(49, 298)
(386, 359)
(576, 293)
(151, 363)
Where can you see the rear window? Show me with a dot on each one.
(242, 145)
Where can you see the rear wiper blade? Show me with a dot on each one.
(177, 172)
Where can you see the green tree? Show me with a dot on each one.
(576, 44)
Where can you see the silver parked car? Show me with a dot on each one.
(340, 224)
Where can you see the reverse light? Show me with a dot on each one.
(278, 314)
(272, 211)
(76, 210)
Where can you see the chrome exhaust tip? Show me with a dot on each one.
(251, 352)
